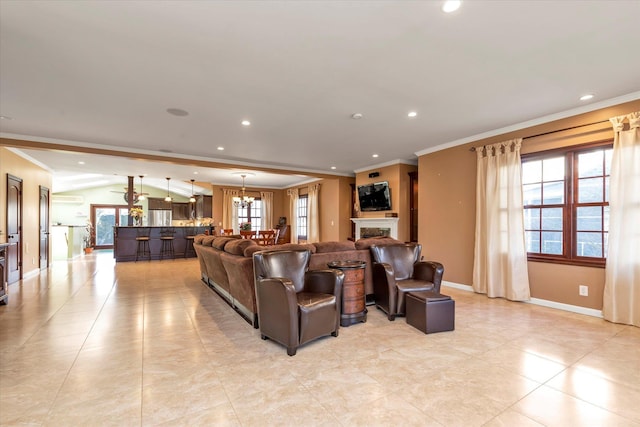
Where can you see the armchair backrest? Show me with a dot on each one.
(291, 265)
(401, 257)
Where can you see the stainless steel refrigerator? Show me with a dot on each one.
(159, 218)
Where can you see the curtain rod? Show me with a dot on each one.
(555, 131)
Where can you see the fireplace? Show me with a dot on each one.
(374, 227)
(374, 232)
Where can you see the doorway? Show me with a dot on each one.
(44, 228)
(413, 206)
(104, 218)
(14, 229)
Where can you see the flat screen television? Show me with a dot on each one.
(374, 197)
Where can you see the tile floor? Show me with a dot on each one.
(93, 343)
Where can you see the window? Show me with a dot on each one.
(302, 217)
(566, 205)
(252, 214)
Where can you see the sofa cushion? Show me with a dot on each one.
(198, 238)
(322, 247)
(221, 241)
(367, 242)
(207, 240)
(238, 246)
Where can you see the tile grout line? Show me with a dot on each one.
(86, 283)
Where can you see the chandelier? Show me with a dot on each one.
(244, 201)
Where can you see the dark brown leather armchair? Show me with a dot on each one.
(294, 305)
(397, 270)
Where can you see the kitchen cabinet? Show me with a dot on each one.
(156, 203)
(203, 206)
(180, 211)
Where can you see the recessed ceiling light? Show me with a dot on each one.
(451, 6)
(5, 118)
(375, 155)
(220, 148)
(586, 97)
(412, 114)
(195, 173)
(81, 162)
(333, 167)
(356, 116)
(177, 112)
(246, 123)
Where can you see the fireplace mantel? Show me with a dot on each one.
(386, 223)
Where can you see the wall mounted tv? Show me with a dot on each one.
(374, 197)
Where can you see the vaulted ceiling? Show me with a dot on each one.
(174, 80)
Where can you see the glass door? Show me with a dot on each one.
(104, 218)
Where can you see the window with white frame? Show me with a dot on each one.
(302, 217)
(252, 213)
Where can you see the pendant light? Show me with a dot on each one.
(168, 198)
(192, 199)
(141, 196)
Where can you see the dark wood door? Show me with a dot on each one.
(14, 228)
(413, 206)
(44, 228)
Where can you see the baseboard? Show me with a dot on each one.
(32, 273)
(566, 307)
(541, 302)
(457, 286)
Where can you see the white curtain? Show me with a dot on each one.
(313, 232)
(230, 211)
(266, 197)
(500, 262)
(293, 213)
(621, 300)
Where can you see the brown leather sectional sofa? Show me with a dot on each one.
(226, 265)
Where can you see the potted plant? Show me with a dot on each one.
(88, 238)
(245, 226)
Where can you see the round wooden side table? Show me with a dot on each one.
(353, 295)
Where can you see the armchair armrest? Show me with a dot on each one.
(383, 274)
(430, 271)
(324, 281)
(384, 288)
(277, 295)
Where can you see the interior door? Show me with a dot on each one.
(44, 228)
(14, 228)
(413, 206)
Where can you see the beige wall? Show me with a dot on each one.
(334, 205)
(32, 177)
(398, 178)
(447, 181)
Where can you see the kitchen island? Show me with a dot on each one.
(125, 244)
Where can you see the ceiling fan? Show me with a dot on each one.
(136, 196)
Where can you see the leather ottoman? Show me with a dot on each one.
(430, 311)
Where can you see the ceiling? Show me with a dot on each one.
(102, 75)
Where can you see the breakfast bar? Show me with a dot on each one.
(125, 245)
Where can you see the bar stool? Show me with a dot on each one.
(189, 237)
(166, 238)
(142, 238)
